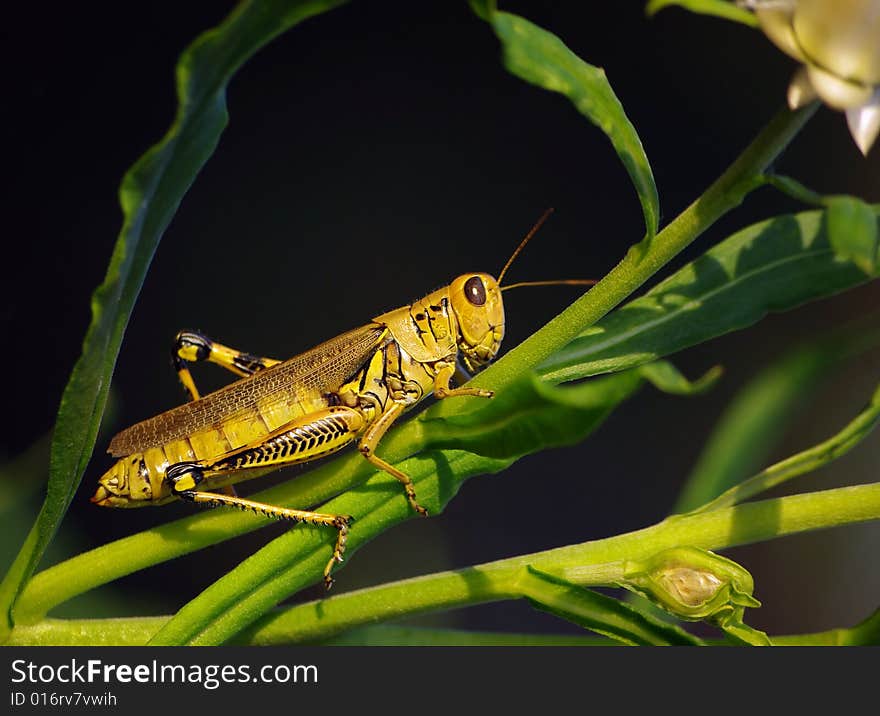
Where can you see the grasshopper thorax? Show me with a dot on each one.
(475, 299)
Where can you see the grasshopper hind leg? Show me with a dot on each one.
(185, 477)
(192, 347)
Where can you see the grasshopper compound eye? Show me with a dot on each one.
(475, 291)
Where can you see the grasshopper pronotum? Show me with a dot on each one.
(350, 388)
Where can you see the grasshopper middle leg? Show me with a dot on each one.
(393, 410)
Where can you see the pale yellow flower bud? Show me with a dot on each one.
(692, 583)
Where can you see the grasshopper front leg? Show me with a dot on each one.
(445, 373)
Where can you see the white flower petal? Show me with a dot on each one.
(864, 124)
(843, 36)
(776, 22)
(837, 92)
(801, 91)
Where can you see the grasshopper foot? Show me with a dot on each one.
(416, 506)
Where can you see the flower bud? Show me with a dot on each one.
(693, 584)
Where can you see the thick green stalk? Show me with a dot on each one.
(587, 564)
(593, 563)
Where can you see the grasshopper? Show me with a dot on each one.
(350, 388)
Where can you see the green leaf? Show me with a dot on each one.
(744, 635)
(852, 231)
(717, 8)
(774, 265)
(541, 58)
(150, 194)
(609, 617)
(483, 8)
(666, 377)
(531, 415)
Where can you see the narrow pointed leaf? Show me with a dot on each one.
(532, 415)
(603, 615)
(852, 232)
(541, 58)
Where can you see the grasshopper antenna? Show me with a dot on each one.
(522, 244)
(554, 282)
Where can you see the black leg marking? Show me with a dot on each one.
(190, 346)
(183, 478)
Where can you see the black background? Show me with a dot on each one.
(372, 154)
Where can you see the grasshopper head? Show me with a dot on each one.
(476, 301)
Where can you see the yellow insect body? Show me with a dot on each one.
(351, 388)
(231, 418)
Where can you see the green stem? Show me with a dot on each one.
(138, 631)
(588, 564)
(803, 462)
(865, 634)
(642, 261)
(393, 635)
(499, 580)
